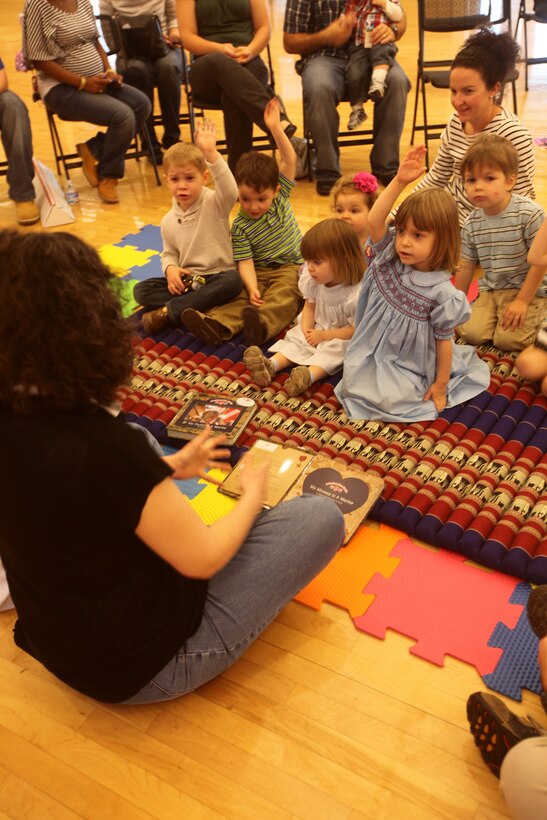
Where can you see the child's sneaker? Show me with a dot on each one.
(155, 320)
(356, 118)
(496, 729)
(377, 90)
(298, 381)
(261, 368)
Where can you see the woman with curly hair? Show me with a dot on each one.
(477, 76)
(121, 590)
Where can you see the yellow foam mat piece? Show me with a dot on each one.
(209, 503)
(121, 260)
(343, 580)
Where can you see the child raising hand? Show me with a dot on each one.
(402, 363)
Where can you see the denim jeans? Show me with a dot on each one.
(287, 546)
(361, 62)
(166, 74)
(324, 87)
(218, 289)
(17, 142)
(242, 92)
(122, 109)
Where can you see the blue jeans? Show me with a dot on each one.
(122, 109)
(218, 289)
(287, 546)
(17, 142)
(324, 87)
(166, 74)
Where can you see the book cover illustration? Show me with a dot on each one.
(225, 415)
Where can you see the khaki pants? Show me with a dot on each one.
(486, 317)
(523, 779)
(282, 302)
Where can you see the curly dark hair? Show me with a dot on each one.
(492, 55)
(65, 344)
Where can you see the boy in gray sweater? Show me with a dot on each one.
(197, 258)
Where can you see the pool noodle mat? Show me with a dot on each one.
(473, 481)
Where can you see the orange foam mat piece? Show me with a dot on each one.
(343, 580)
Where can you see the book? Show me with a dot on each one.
(225, 415)
(294, 472)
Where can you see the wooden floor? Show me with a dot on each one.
(317, 720)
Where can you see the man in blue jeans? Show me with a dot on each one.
(17, 142)
(320, 32)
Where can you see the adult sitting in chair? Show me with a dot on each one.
(151, 68)
(227, 37)
(17, 142)
(321, 33)
(75, 81)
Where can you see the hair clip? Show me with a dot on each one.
(365, 182)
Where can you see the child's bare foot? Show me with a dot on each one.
(298, 381)
(155, 320)
(262, 370)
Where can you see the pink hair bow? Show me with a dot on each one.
(365, 182)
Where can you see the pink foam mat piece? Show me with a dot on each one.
(449, 607)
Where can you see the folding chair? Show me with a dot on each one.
(140, 146)
(197, 107)
(441, 17)
(528, 17)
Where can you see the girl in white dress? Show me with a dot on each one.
(329, 283)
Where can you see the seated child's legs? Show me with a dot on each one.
(263, 368)
(532, 362)
(357, 83)
(382, 58)
(523, 336)
(481, 326)
(282, 299)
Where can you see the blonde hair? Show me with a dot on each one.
(346, 185)
(434, 210)
(491, 151)
(337, 242)
(184, 153)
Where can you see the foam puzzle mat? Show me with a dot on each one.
(472, 484)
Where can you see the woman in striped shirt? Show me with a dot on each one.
(76, 82)
(476, 79)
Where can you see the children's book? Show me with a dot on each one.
(224, 415)
(295, 472)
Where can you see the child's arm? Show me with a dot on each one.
(313, 337)
(410, 169)
(308, 317)
(437, 391)
(205, 138)
(537, 255)
(464, 274)
(246, 268)
(392, 10)
(515, 312)
(287, 154)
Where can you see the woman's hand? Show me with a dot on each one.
(98, 84)
(412, 167)
(253, 482)
(201, 453)
(243, 54)
(229, 50)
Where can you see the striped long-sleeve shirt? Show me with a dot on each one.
(445, 171)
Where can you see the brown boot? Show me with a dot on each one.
(89, 164)
(26, 213)
(261, 368)
(254, 328)
(207, 330)
(155, 320)
(107, 191)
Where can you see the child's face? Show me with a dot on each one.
(352, 208)
(321, 271)
(488, 188)
(255, 203)
(186, 183)
(414, 247)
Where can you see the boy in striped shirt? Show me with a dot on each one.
(266, 242)
(498, 234)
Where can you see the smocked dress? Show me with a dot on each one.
(391, 359)
(334, 307)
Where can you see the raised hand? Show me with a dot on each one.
(412, 167)
(205, 137)
(272, 114)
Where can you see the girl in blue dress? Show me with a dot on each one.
(402, 363)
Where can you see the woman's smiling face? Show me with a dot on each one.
(473, 101)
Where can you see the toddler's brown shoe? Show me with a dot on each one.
(155, 320)
(206, 329)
